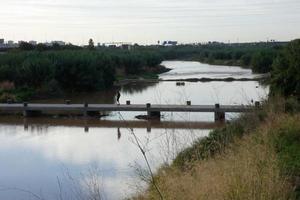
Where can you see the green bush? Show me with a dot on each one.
(262, 61)
(286, 71)
(287, 144)
(72, 70)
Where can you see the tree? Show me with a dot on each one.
(91, 44)
(262, 62)
(286, 71)
(26, 46)
(41, 47)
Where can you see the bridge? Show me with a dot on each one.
(153, 111)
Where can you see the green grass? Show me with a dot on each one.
(287, 145)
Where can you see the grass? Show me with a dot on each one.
(254, 157)
(219, 139)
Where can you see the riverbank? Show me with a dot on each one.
(221, 62)
(142, 80)
(149, 75)
(254, 157)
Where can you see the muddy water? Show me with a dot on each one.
(68, 158)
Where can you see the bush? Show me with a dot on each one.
(262, 61)
(286, 71)
(4, 97)
(287, 144)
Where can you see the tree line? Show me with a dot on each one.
(53, 71)
(257, 56)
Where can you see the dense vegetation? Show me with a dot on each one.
(258, 56)
(286, 71)
(25, 73)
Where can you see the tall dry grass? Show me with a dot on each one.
(249, 169)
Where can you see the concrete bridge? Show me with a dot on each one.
(153, 111)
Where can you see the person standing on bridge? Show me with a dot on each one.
(118, 97)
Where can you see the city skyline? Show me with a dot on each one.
(147, 21)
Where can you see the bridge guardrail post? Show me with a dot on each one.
(188, 103)
(219, 115)
(68, 102)
(25, 112)
(85, 112)
(148, 105)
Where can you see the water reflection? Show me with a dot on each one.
(133, 88)
(119, 134)
(25, 156)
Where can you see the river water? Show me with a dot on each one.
(50, 158)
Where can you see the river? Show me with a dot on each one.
(50, 158)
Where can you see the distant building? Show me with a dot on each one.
(170, 43)
(10, 42)
(1, 41)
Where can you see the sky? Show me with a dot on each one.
(147, 21)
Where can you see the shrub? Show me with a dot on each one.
(286, 71)
(7, 86)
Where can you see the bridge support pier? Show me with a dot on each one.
(152, 114)
(87, 113)
(219, 115)
(30, 113)
(92, 113)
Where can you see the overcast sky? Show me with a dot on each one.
(147, 21)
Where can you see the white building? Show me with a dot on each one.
(10, 42)
(170, 43)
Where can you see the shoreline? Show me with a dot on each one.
(229, 79)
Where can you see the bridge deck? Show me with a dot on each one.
(133, 107)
